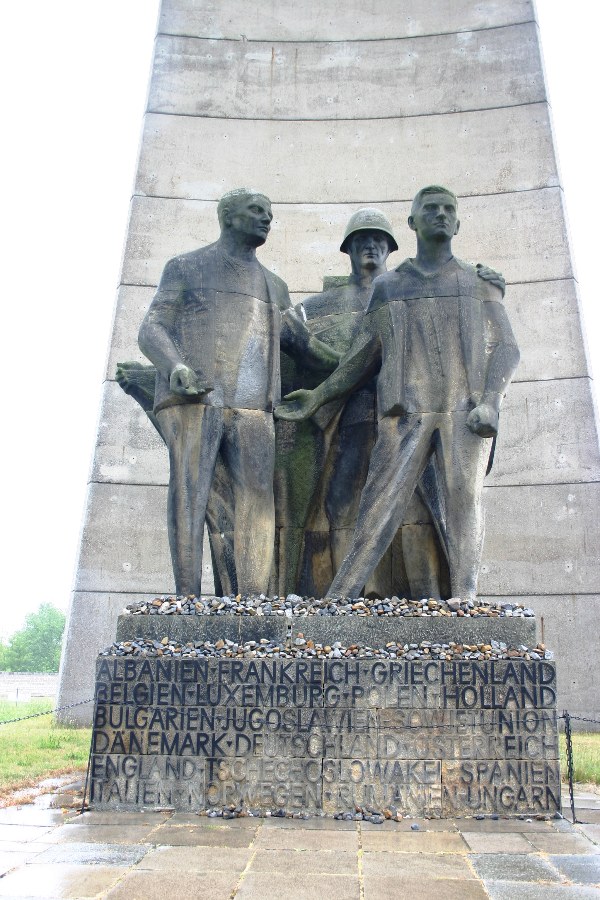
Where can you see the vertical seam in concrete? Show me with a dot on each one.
(359, 862)
(249, 863)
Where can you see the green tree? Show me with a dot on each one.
(36, 647)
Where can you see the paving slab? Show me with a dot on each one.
(563, 843)
(480, 842)
(416, 866)
(411, 824)
(83, 854)
(196, 859)
(23, 833)
(513, 867)
(512, 826)
(305, 839)
(438, 888)
(415, 842)
(52, 882)
(590, 831)
(12, 860)
(300, 862)
(194, 836)
(104, 834)
(261, 885)
(32, 815)
(324, 824)
(181, 885)
(584, 868)
(505, 890)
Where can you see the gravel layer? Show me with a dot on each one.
(307, 649)
(294, 606)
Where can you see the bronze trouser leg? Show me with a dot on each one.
(348, 467)
(398, 458)
(192, 433)
(420, 551)
(463, 458)
(248, 451)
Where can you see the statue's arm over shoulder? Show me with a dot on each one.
(356, 368)
(503, 350)
(155, 337)
(297, 340)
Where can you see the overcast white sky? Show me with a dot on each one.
(74, 77)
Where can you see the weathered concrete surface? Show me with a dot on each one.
(540, 539)
(131, 306)
(178, 158)
(129, 449)
(498, 227)
(365, 631)
(327, 20)
(566, 624)
(309, 80)
(92, 618)
(537, 442)
(539, 311)
(124, 546)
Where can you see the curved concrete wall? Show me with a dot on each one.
(327, 107)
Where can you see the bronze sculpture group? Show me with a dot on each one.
(370, 477)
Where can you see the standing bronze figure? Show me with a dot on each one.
(438, 339)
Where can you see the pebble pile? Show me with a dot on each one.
(301, 648)
(294, 606)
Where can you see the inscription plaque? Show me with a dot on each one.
(429, 737)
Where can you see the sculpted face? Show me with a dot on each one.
(251, 218)
(368, 250)
(436, 218)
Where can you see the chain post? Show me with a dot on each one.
(569, 743)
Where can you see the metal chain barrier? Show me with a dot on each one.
(48, 712)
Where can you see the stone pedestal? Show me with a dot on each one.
(437, 735)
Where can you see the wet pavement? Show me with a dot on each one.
(47, 853)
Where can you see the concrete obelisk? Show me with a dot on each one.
(327, 108)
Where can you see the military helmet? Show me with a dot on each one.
(368, 219)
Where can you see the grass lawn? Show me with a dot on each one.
(586, 757)
(37, 748)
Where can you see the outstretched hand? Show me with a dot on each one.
(297, 406)
(184, 380)
(495, 278)
(483, 420)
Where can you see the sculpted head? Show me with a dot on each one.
(245, 214)
(434, 214)
(368, 240)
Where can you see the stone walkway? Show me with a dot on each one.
(45, 853)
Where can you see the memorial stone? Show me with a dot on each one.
(312, 736)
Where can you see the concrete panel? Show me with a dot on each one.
(92, 625)
(541, 539)
(537, 442)
(128, 449)
(539, 311)
(324, 20)
(520, 234)
(198, 158)
(545, 319)
(568, 626)
(345, 79)
(132, 303)
(124, 546)
(550, 543)
(547, 434)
